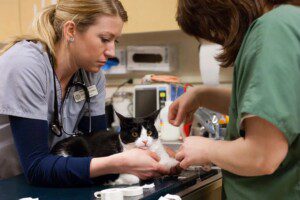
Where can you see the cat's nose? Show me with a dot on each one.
(145, 141)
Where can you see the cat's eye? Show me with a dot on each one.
(149, 133)
(134, 134)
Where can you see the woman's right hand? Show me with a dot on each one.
(142, 163)
(184, 107)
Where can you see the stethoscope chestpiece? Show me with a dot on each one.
(56, 130)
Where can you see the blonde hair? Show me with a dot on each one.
(47, 26)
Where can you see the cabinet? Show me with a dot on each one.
(144, 16)
(16, 16)
(150, 16)
(28, 9)
(209, 189)
(9, 19)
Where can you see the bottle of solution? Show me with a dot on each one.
(168, 131)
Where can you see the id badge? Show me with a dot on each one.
(80, 96)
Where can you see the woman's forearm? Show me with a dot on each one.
(260, 152)
(105, 165)
(239, 157)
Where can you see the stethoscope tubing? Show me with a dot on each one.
(57, 126)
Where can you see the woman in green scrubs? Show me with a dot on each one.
(260, 157)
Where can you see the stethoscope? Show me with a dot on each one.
(57, 126)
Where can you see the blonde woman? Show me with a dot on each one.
(39, 104)
(261, 38)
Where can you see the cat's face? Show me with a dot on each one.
(138, 132)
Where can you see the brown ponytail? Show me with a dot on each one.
(222, 21)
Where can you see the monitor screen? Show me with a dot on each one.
(145, 101)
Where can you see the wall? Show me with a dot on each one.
(188, 69)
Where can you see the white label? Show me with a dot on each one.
(80, 96)
(92, 90)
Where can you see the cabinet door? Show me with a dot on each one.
(150, 15)
(28, 10)
(144, 15)
(9, 19)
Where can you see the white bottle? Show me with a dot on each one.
(168, 131)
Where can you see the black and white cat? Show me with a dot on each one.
(135, 133)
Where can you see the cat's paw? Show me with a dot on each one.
(168, 162)
(125, 179)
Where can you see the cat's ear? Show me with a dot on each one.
(121, 117)
(154, 115)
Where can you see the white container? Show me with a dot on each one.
(110, 194)
(168, 131)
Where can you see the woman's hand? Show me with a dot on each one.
(214, 98)
(184, 107)
(194, 151)
(142, 163)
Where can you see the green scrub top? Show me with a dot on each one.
(266, 84)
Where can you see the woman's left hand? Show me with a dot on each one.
(194, 151)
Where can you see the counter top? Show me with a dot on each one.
(17, 187)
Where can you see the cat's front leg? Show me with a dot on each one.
(125, 179)
(168, 162)
(165, 158)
